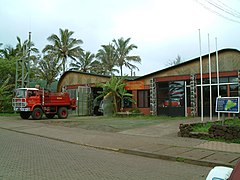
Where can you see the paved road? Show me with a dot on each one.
(25, 156)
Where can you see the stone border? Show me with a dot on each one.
(227, 132)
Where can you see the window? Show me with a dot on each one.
(21, 93)
(176, 94)
(233, 79)
(171, 94)
(143, 98)
(162, 93)
(234, 90)
(223, 80)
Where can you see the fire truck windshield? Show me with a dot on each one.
(21, 93)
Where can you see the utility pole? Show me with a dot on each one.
(23, 67)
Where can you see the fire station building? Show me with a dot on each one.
(173, 91)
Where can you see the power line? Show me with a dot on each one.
(225, 8)
(230, 11)
(235, 12)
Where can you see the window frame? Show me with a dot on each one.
(145, 101)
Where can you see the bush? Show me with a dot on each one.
(6, 106)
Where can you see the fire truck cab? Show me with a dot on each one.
(36, 102)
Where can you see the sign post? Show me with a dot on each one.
(227, 105)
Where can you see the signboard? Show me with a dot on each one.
(134, 85)
(227, 104)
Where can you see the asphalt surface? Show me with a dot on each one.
(158, 141)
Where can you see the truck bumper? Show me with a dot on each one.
(21, 109)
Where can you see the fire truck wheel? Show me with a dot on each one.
(25, 115)
(62, 113)
(37, 113)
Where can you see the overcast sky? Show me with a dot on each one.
(162, 29)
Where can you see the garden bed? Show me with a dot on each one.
(215, 130)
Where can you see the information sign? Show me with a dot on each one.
(227, 104)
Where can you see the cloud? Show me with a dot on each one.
(161, 29)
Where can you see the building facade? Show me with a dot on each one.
(175, 91)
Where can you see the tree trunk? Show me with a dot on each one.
(121, 70)
(122, 104)
(114, 104)
(64, 64)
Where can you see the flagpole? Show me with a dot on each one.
(218, 89)
(201, 75)
(210, 78)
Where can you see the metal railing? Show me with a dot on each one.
(19, 102)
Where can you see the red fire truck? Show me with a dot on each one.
(36, 102)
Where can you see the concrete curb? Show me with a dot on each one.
(172, 158)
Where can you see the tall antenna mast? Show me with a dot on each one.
(23, 67)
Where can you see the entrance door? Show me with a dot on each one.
(84, 101)
(73, 93)
(171, 98)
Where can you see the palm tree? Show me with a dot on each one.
(124, 95)
(26, 56)
(107, 56)
(123, 58)
(97, 68)
(8, 52)
(48, 69)
(1, 50)
(64, 46)
(84, 62)
(23, 49)
(115, 88)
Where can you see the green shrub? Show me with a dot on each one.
(6, 106)
(203, 127)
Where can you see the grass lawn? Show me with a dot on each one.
(110, 124)
(205, 126)
(9, 114)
